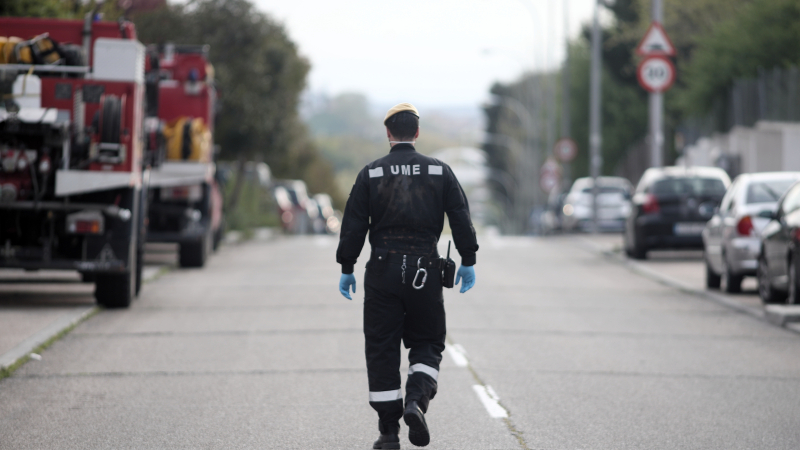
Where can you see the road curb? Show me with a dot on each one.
(633, 266)
(18, 355)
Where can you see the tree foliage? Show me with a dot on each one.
(763, 35)
(35, 8)
(259, 75)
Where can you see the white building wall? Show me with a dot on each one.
(769, 146)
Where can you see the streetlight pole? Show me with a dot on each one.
(528, 167)
(595, 132)
(512, 188)
(656, 105)
(566, 119)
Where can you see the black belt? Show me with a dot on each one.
(411, 260)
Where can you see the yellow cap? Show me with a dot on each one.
(401, 107)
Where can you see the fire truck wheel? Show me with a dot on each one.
(87, 277)
(218, 235)
(194, 254)
(139, 268)
(114, 290)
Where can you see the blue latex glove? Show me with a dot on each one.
(347, 281)
(468, 274)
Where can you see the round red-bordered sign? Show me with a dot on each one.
(565, 150)
(656, 73)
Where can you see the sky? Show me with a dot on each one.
(432, 53)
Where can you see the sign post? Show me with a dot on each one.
(656, 74)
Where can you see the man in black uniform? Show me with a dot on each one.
(401, 199)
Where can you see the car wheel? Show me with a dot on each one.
(793, 290)
(765, 291)
(712, 279)
(638, 251)
(729, 282)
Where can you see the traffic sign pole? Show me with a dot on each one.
(657, 107)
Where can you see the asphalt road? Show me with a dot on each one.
(259, 350)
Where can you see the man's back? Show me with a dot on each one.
(402, 197)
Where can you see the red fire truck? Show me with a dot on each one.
(185, 204)
(71, 151)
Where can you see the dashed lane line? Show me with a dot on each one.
(490, 401)
(487, 396)
(458, 355)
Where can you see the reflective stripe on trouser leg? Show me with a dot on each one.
(422, 368)
(383, 331)
(389, 406)
(386, 396)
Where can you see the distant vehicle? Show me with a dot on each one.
(731, 238)
(778, 259)
(553, 217)
(293, 206)
(612, 204)
(671, 207)
(327, 221)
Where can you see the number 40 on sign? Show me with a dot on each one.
(656, 73)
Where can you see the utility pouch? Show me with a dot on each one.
(448, 270)
(378, 261)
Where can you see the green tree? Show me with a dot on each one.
(260, 76)
(763, 35)
(35, 8)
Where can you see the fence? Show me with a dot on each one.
(772, 96)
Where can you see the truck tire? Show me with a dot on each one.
(88, 277)
(219, 234)
(194, 254)
(139, 269)
(115, 290)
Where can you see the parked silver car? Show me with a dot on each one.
(613, 204)
(731, 238)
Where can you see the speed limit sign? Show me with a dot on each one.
(656, 73)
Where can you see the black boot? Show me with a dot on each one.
(387, 441)
(417, 427)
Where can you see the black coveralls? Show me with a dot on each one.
(401, 199)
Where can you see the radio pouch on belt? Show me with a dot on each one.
(448, 270)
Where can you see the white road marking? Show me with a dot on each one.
(490, 401)
(458, 354)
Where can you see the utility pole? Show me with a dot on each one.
(595, 133)
(656, 105)
(566, 120)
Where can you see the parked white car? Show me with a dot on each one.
(731, 239)
(613, 204)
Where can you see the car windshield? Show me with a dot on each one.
(689, 186)
(767, 191)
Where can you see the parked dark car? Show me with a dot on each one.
(671, 207)
(778, 260)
